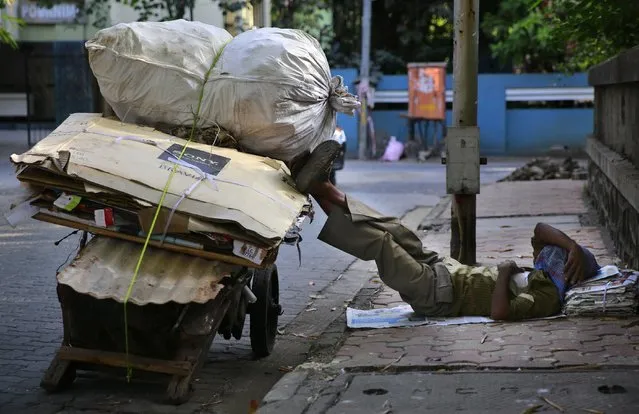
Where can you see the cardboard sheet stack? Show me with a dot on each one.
(108, 177)
(611, 292)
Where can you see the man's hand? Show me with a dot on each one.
(575, 268)
(509, 268)
(500, 302)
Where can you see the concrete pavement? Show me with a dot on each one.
(610, 392)
(31, 328)
(507, 213)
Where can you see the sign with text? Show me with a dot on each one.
(32, 12)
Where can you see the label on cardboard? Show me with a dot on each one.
(104, 217)
(248, 251)
(207, 162)
(67, 202)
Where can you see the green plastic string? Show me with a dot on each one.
(129, 369)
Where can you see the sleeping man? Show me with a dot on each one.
(441, 286)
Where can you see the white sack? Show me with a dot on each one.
(151, 72)
(271, 88)
(273, 91)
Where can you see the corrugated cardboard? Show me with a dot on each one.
(179, 222)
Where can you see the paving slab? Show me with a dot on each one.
(530, 198)
(556, 343)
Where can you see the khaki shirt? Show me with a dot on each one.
(534, 297)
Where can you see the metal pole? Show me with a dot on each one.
(465, 58)
(266, 13)
(364, 72)
(27, 88)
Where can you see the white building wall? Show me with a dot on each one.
(205, 11)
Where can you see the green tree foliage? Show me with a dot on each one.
(521, 35)
(402, 30)
(570, 35)
(6, 20)
(594, 30)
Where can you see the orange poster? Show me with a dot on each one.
(427, 90)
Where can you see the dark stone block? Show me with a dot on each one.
(619, 217)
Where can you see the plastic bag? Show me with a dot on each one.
(394, 150)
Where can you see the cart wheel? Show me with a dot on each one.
(179, 390)
(59, 376)
(265, 311)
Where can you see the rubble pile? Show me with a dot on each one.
(547, 169)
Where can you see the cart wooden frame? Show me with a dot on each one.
(198, 324)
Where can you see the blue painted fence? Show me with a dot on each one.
(502, 131)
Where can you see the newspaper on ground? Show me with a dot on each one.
(404, 316)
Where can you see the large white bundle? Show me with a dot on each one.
(271, 88)
(152, 73)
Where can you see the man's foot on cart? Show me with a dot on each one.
(316, 167)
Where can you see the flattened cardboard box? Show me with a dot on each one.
(253, 191)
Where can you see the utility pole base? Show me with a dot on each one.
(463, 229)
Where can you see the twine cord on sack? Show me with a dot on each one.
(129, 369)
(339, 98)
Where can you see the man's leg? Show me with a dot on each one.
(402, 262)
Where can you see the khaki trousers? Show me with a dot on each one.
(402, 261)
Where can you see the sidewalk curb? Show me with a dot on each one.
(432, 221)
(286, 390)
(286, 387)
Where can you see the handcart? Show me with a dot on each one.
(171, 338)
(170, 335)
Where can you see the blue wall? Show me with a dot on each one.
(502, 131)
(348, 123)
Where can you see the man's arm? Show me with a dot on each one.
(500, 304)
(547, 234)
(575, 268)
